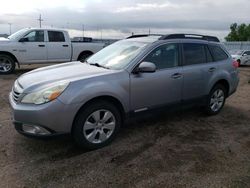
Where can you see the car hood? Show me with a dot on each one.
(65, 72)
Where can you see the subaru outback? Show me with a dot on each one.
(91, 100)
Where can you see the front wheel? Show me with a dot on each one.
(7, 64)
(96, 125)
(216, 100)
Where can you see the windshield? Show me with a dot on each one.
(117, 55)
(236, 52)
(17, 34)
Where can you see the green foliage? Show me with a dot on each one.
(239, 32)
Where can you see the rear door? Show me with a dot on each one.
(198, 69)
(163, 87)
(59, 47)
(33, 49)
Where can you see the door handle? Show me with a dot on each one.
(65, 45)
(41, 45)
(212, 69)
(176, 75)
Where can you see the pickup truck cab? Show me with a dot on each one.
(31, 46)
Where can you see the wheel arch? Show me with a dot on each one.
(107, 98)
(83, 53)
(225, 83)
(11, 55)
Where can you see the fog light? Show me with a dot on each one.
(36, 130)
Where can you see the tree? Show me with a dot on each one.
(239, 32)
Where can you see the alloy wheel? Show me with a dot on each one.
(99, 126)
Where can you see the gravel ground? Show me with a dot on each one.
(184, 149)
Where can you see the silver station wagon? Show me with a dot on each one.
(91, 100)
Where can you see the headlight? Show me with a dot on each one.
(45, 95)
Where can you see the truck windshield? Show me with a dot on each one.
(17, 35)
(117, 55)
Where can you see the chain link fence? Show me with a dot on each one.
(237, 45)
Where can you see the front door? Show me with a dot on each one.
(163, 87)
(33, 49)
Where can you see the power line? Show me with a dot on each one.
(10, 27)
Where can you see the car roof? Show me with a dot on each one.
(175, 38)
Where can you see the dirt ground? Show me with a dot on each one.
(184, 149)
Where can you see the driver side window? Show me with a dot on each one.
(35, 36)
(165, 56)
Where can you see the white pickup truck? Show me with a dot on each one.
(31, 46)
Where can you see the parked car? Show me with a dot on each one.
(91, 100)
(242, 56)
(32, 46)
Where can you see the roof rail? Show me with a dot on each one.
(190, 36)
(143, 35)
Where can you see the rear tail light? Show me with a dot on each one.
(235, 64)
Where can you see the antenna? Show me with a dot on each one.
(40, 20)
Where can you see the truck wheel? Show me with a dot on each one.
(216, 100)
(7, 64)
(96, 125)
(84, 56)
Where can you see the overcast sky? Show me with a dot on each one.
(118, 18)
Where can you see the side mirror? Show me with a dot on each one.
(24, 40)
(244, 55)
(146, 67)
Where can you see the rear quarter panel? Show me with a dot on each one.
(79, 47)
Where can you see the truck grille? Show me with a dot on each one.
(16, 91)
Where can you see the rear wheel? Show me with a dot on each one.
(96, 125)
(84, 56)
(7, 64)
(216, 100)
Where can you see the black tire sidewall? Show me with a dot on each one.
(13, 65)
(77, 131)
(209, 111)
(83, 57)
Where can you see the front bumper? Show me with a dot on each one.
(53, 118)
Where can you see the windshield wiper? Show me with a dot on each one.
(98, 65)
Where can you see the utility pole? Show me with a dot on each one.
(83, 30)
(149, 31)
(40, 20)
(10, 27)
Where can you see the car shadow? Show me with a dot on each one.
(63, 147)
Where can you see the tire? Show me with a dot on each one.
(7, 64)
(90, 134)
(84, 56)
(216, 100)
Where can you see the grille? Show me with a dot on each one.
(16, 91)
(15, 95)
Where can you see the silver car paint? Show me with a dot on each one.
(134, 91)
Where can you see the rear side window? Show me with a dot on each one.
(194, 53)
(56, 36)
(217, 53)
